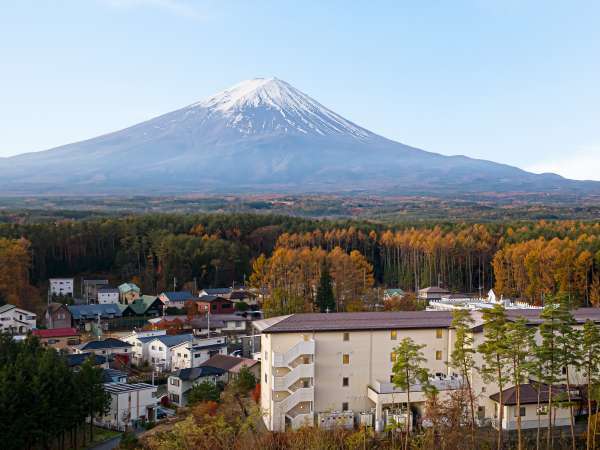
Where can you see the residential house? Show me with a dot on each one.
(75, 360)
(131, 405)
(114, 349)
(90, 289)
(58, 338)
(144, 306)
(57, 316)
(160, 349)
(84, 315)
(232, 365)
(314, 366)
(528, 406)
(214, 304)
(193, 353)
(140, 345)
(217, 292)
(61, 287)
(432, 293)
(16, 320)
(180, 383)
(129, 292)
(108, 295)
(176, 299)
(232, 325)
(390, 294)
(114, 376)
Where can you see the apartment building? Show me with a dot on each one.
(61, 286)
(316, 367)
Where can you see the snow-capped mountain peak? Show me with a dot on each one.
(271, 105)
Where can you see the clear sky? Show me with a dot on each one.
(513, 81)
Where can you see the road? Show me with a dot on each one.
(107, 445)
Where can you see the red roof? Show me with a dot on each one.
(56, 332)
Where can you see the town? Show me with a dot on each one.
(529, 372)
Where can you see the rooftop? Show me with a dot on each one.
(356, 321)
(118, 388)
(92, 311)
(169, 340)
(197, 372)
(217, 291)
(229, 363)
(55, 332)
(106, 343)
(179, 296)
(529, 394)
(77, 359)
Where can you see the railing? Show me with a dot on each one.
(446, 384)
(299, 395)
(302, 371)
(301, 348)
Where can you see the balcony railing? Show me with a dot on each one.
(301, 348)
(297, 373)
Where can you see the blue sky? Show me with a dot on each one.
(511, 81)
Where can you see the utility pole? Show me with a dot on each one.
(174, 284)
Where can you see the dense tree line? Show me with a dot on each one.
(43, 403)
(162, 251)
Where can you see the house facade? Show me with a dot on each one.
(177, 299)
(108, 296)
(140, 344)
(130, 405)
(432, 293)
(61, 287)
(214, 305)
(180, 383)
(160, 349)
(17, 321)
(57, 316)
(90, 288)
(193, 353)
(58, 338)
(314, 366)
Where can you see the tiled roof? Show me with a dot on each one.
(179, 296)
(126, 287)
(169, 340)
(6, 308)
(55, 332)
(92, 311)
(197, 372)
(228, 363)
(361, 321)
(529, 394)
(106, 343)
(77, 359)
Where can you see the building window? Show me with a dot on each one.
(345, 381)
(346, 336)
(438, 333)
(174, 382)
(393, 335)
(391, 378)
(345, 358)
(393, 357)
(265, 378)
(521, 411)
(438, 355)
(345, 406)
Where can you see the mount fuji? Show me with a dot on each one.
(260, 136)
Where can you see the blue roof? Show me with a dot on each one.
(106, 343)
(92, 311)
(179, 296)
(77, 359)
(197, 372)
(169, 340)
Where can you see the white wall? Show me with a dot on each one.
(17, 321)
(105, 298)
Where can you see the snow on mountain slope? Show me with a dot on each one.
(257, 136)
(272, 105)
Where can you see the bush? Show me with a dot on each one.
(203, 392)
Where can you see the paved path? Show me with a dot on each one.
(107, 445)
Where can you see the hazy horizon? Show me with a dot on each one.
(510, 83)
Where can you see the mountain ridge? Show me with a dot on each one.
(260, 135)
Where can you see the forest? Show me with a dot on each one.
(286, 255)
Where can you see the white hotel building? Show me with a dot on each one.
(324, 369)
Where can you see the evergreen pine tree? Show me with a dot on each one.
(325, 298)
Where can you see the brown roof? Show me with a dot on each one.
(229, 363)
(533, 315)
(362, 321)
(529, 394)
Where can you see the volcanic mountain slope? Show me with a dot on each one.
(261, 135)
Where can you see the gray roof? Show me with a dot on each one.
(533, 315)
(76, 359)
(6, 308)
(117, 388)
(179, 296)
(434, 289)
(211, 298)
(197, 372)
(92, 311)
(106, 343)
(361, 321)
(169, 340)
(217, 291)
